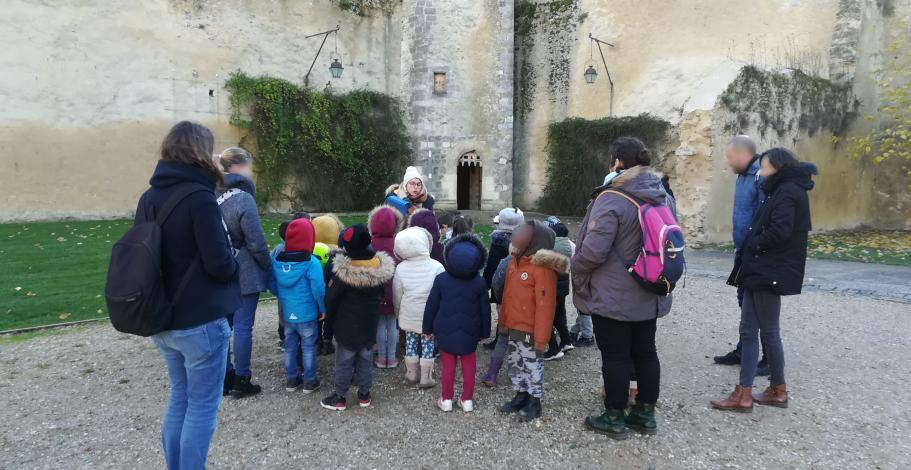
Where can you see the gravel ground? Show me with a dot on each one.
(89, 397)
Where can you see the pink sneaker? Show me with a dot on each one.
(380, 363)
(391, 363)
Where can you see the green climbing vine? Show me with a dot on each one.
(577, 156)
(365, 7)
(318, 149)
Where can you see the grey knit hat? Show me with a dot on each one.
(510, 218)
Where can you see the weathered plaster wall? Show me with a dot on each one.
(670, 58)
(89, 87)
(471, 42)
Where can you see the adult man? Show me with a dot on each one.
(741, 155)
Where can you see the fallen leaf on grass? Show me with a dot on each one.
(64, 316)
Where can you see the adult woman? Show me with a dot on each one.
(411, 194)
(238, 208)
(770, 264)
(623, 313)
(195, 347)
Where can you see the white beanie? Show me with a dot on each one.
(509, 218)
(410, 174)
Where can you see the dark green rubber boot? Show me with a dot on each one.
(610, 423)
(641, 419)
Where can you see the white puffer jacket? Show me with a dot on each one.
(413, 277)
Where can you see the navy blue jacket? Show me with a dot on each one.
(457, 312)
(748, 197)
(193, 228)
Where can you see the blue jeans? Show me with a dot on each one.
(759, 318)
(243, 334)
(387, 335)
(300, 341)
(583, 326)
(196, 368)
(347, 363)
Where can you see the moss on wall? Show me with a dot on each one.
(787, 103)
(366, 7)
(577, 153)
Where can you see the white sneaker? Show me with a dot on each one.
(445, 405)
(466, 406)
(568, 347)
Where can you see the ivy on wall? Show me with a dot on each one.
(319, 150)
(365, 7)
(578, 153)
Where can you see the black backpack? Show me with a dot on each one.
(135, 291)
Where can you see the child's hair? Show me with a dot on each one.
(447, 218)
(462, 224)
(560, 229)
(283, 227)
(233, 156)
(191, 143)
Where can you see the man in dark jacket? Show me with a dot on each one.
(352, 310)
(743, 160)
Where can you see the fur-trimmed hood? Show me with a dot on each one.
(382, 224)
(642, 182)
(465, 255)
(363, 273)
(552, 260)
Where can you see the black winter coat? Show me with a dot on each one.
(499, 249)
(774, 253)
(353, 298)
(193, 228)
(457, 312)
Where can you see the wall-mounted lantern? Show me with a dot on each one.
(336, 67)
(591, 74)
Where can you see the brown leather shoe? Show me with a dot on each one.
(775, 395)
(741, 399)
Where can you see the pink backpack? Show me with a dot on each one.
(660, 263)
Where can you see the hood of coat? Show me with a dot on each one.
(371, 272)
(552, 260)
(427, 220)
(328, 227)
(465, 256)
(289, 268)
(384, 221)
(801, 175)
(168, 173)
(643, 183)
(500, 238)
(241, 182)
(413, 243)
(542, 238)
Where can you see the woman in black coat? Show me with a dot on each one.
(771, 264)
(194, 244)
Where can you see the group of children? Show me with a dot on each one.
(431, 279)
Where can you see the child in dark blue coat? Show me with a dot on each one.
(297, 281)
(457, 314)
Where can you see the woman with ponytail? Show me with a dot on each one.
(624, 314)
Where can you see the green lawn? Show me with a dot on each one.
(864, 246)
(54, 272)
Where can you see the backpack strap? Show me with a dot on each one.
(227, 195)
(175, 198)
(620, 193)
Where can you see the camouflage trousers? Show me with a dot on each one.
(526, 368)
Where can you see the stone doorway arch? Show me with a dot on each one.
(468, 177)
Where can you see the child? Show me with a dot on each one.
(457, 316)
(282, 228)
(564, 246)
(384, 223)
(462, 224)
(352, 311)
(328, 229)
(410, 288)
(427, 220)
(501, 342)
(297, 281)
(445, 219)
(506, 221)
(527, 315)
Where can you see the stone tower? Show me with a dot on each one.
(457, 88)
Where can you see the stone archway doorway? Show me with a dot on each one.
(468, 186)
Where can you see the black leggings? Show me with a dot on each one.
(560, 324)
(627, 350)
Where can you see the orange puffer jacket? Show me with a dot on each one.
(530, 294)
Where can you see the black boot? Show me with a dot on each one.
(328, 347)
(730, 359)
(532, 409)
(517, 403)
(243, 388)
(229, 382)
(320, 347)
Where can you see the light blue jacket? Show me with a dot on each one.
(747, 198)
(300, 289)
